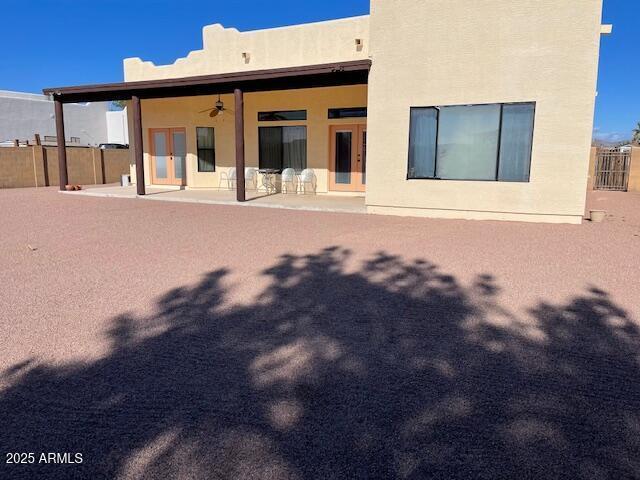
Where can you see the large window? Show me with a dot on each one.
(472, 142)
(283, 147)
(206, 149)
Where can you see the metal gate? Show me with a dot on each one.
(612, 169)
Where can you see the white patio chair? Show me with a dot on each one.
(308, 177)
(289, 181)
(251, 178)
(230, 177)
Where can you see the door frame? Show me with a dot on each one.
(170, 180)
(358, 157)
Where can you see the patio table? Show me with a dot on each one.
(269, 179)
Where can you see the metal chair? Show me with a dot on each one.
(308, 177)
(230, 176)
(289, 181)
(251, 178)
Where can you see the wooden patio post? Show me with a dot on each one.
(62, 145)
(239, 105)
(137, 144)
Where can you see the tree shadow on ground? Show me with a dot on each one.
(395, 370)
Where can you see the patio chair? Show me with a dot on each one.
(230, 177)
(308, 177)
(289, 181)
(251, 178)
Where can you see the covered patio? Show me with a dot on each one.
(318, 203)
(339, 74)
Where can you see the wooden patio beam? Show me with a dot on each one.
(239, 117)
(62, 145)
(138, 150)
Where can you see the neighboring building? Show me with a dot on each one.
(458, 109)
(117, 129)
(22, 115)
(625, 148)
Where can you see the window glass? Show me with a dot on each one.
(179, 140)
(160, 154)
(515, 142)
(206, 149)
(471, 142)
(283, 147)
(352, 112)
(468, 142)
(281, 115)
(294, 148)
(343, 157)
(422, 142)
(270, 139)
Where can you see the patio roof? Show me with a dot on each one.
(309, 76)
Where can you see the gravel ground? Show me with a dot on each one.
(163, 340)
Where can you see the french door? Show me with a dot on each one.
(348, 160)
(168, 155)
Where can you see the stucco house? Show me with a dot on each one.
(439, 108)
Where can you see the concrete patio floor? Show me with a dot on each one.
(188, 341)
(310, 202)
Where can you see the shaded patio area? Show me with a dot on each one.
(321, 203)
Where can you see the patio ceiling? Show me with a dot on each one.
(310, 76)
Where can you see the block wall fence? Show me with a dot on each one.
(37, 166)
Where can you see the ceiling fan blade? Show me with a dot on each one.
(214, 113)
(204, 111)
(228, 110)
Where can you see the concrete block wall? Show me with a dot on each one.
(37, 166)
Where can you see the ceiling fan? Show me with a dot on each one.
(218, 109)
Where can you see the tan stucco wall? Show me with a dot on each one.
(184, 112)
(444, 52)
(591, 175)
(308, 44)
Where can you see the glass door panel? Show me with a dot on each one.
(343, 157)
(161, 155)
(179, 142)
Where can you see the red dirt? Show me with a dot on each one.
(167, 339)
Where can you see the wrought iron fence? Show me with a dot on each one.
(612, 169)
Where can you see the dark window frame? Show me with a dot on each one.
(299, 116)
(435, 162)
(337, 113)
(306, 139)
(198, 148)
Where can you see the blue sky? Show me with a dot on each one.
(71, 42)
(618, 102)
